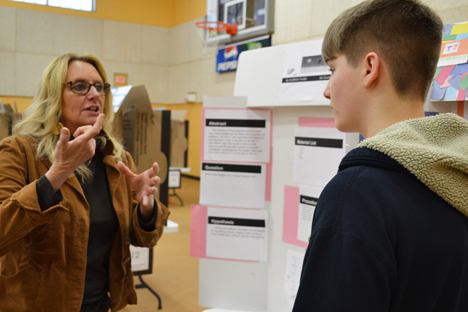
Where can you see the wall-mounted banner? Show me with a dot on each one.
(228, 54)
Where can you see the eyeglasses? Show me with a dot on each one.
(82, 87)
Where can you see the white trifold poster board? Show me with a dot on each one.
(281, 78)
(269, 285)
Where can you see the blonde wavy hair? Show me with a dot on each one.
(42, 117)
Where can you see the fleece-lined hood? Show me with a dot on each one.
(435, 150)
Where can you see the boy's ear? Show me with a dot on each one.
(372, 66)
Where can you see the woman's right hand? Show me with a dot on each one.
(69, 155)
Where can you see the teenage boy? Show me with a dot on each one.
(390, 231)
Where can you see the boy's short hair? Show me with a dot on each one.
(406, 34)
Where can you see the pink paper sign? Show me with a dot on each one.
(291, 216)
(319, 122)
(198, 228)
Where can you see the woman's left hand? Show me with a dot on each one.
(144, 185)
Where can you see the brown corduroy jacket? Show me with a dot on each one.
(43, 254)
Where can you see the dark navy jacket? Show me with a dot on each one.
(382, 241)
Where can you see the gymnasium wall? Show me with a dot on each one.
(154, 42)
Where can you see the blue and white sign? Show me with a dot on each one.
(228, 54)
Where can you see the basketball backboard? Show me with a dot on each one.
(253, 18)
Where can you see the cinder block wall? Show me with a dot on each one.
(170, 59)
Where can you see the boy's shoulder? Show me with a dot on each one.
(368, 184)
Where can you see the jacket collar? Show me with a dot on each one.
(435, 150)
(368, 157)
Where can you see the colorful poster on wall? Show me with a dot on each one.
(451, 78)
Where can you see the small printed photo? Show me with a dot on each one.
(314, 63)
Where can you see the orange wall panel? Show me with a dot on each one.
(163, 13)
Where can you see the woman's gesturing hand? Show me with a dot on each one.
(69, 155)
(144, 185)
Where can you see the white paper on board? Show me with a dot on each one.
(317, 154)
(305, 75)
(174, 177)
(140, 258)
(452, 60)
(240, 135)
(237, 234)
(294, 262)
(308, 197)
(232, 185)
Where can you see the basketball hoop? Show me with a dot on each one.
(209, 34)
(221, 26)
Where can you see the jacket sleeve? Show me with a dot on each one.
(344, 267)
(142, 238)
(340, 273)
(20, 212)
(139, 236)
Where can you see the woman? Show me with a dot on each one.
(70, 203)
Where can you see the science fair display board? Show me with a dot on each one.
(306, 149)
(255, 264)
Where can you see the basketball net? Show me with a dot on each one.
(209, 33)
